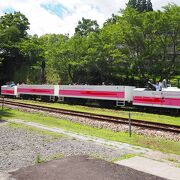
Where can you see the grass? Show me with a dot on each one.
(119, 113)
(40, 159)
(54, 156)
(34, 130)
(173, 160)
(139, 140)
(126, 156)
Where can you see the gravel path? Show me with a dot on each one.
(20, 148)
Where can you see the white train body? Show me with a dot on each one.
(167, 98)
(117, 93)
(9, 91)
(41, 90)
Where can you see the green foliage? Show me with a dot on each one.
(148, 37)
(86, 26)
(58, 57)
(14, 26)
(111, 20)
(140, 5)
(132, 4)
(130, 48)
(13, 29)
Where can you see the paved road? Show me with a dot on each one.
(80, 168)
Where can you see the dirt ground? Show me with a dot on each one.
(80, 168)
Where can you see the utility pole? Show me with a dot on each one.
(130, 125)
(2, 103)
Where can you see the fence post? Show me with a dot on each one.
(130, 125)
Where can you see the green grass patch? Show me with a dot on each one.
(54, 156)
(34, 130)
(139, 140)
(119, 113)
(41, 159)
(173, 160)
(126, 156)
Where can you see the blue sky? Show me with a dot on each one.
(8, 10)
(55, 9)
(62, 16)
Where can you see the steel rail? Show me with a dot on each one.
(107, 118)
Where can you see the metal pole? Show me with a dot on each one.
(3, 104)
(130, 125)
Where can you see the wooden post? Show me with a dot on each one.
(130, 125)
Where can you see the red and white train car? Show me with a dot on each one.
(9, 91)
(167, 98)
(120, 94)
(40, 90)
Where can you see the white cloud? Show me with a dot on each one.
(43, 21)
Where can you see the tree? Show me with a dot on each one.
(32, 50)
(13, 29)
(152, 41)
(149, 5)
(86, 26)
(168, 32)
(132, 3)
(111, 20)
(140, 5)
(53, 46)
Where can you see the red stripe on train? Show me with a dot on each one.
(35, 91)
(7, 91)
(109, 94)
(154, 100)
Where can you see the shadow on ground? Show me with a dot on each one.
(4, 113)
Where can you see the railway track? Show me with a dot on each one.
(105, 118)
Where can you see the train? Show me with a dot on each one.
(119, 95)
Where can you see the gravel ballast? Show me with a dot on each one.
(106, 125)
